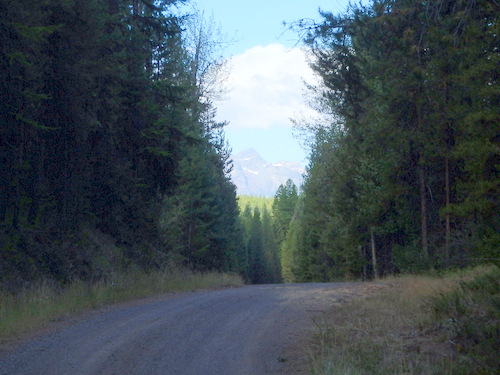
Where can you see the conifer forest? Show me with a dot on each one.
(110, 154)
(111, 158)
(405, 176)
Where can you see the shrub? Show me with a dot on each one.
(470, 314)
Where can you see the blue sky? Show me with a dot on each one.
(267, 70)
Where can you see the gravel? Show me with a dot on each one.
(260, 329)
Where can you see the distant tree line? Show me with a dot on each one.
(403, 171)
(264, 223)
(404, 177)
(110, 157)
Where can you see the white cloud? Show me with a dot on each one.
(266, 88)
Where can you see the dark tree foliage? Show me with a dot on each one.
(271, 249)
(255, 246)
(284, 203)
(406, 175)
(103, 135)
(261, 259)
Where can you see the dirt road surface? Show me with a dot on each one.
(257, 330)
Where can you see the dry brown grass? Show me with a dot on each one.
(42, 303)
(393, 331)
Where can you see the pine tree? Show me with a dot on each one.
(283, 207)
(270, 244)
(394, 152)
(101, 124)
(255, 248)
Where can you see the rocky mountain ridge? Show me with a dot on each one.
(253, 175)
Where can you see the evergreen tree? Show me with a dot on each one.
(256, 249)
(103, 129)
(283, 207)
(290, 249)
(394, 153)
(272, 263)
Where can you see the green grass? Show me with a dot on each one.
(419, 325)
(37, 306)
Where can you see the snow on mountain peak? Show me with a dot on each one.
(252, 175)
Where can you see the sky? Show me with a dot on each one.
(267, 70)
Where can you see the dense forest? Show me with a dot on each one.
(264, 223)
(404, 174)
(403, 171)
(110, 155)
(111, 158)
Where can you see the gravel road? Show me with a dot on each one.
(253, 330)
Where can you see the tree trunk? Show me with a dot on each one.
(363, 258)
(374, 254)
(447, 218)
(18, 179)
(37, 186)
(423, 212)
(113, 7)
(4, 201)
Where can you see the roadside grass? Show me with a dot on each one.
(447, 324)
(47, 302)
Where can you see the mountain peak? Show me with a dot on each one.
(248, 153)
(253, 175)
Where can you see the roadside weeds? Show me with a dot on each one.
(46, 302)
(446, 324)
